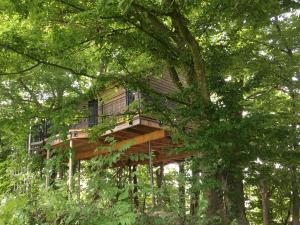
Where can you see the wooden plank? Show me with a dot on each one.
(133, 141)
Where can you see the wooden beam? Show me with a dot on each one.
(133, 141)
(160, 157)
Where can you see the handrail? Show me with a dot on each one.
(116, 107)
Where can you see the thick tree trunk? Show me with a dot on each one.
(295, 197)
(181, 189)
(233, 181)
(265, 201)
(215, 210)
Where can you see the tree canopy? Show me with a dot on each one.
(236, 67)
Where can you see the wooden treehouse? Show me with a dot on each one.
(142, 133)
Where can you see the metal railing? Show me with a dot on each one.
(40, 132)
(120, 106)
(125, 105)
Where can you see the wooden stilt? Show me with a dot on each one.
(29, 142)
(135, 188)
(70, 180)
(130, 180)
(151, 172)
(47, 168)
(27, 168)
(159, 182)
(78, 179)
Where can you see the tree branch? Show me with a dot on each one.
(288, 49)
(32, 95)
(174, 76)
(21, 71)
(47, 63)
(173, 53)
(179, 22)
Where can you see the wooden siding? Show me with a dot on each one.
(164, 84)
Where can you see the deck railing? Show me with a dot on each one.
(118, 107)
(40, 132)
(96, 113)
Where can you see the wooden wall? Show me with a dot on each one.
(163, 84)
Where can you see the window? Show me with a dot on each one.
(93, 112)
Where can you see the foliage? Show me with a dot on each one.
(236, 68)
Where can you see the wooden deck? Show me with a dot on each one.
(142, 135)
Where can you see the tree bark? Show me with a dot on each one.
(180, 23)
(233, 181)
(295, 197)
(265, 201)
(215, 211)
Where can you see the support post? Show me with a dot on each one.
(159, 182)
(151, 172)
(27, 168)
(70, 180)
(130, 180)
(47, 168)
(29, 142)
(135, 188)
(78, 179)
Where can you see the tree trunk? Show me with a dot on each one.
(295, 197)
(215, 210)
(181, 189)
(265, 201)
(233, 181)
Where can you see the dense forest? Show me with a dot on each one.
(235, 66)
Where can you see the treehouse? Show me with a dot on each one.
(141, 133)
